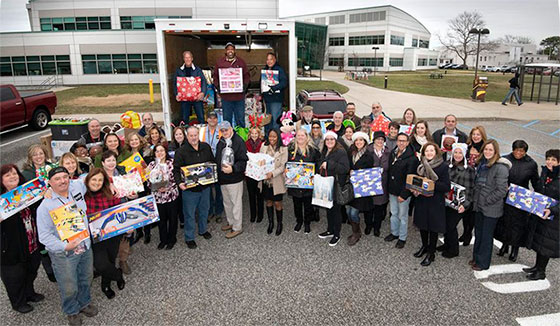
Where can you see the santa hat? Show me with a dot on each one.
(463, 147)
(331, 134)
(360, 134)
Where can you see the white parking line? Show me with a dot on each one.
(22, 138)
(549, 320)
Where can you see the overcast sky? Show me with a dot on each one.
(536, 19)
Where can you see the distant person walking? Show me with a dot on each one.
(513, 89)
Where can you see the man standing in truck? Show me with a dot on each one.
(275, 82)
(188, 69)
(231, 78)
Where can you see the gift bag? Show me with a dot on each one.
(131, 119)
(159, 177)
(323, 191)
(188, 88)
(228, 156)
(456, 196)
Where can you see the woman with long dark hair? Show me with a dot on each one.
(380, 153)
(112, 143)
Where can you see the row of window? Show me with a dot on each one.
(143, 22)
(366, 40)
(420, 43)
(119, 64)
(75, 23)
(35, 65)
(376, 39)
(335, 20)
(397, 40)
(336, 41)
(367, 17)
(365, 62)
(377, 62)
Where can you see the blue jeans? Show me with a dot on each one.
(216, 200)
(274, 108)
(74, 274)
(483, 239)
(353, 214)
(186, 108)
(399, 217)
(234, 108)
(191, 201)
(515, 92)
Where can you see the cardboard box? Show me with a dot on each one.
(46, 142)
(423, 185)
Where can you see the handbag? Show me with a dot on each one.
(266, 117)
(343, 194)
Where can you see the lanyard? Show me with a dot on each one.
(71, 196)
(211, 143)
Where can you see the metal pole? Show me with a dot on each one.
(550, 85)
(540, 86)
(386, 81)
(477, 55)
(557, 92)
(374, 62)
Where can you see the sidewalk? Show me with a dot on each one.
(109, 118)
(433, 107)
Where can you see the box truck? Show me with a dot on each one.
(206, 39)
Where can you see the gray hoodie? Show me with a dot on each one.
(489, 196)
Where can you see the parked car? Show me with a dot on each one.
(488, 68)
(454, 66)
(462, 67)
(19, 108)
(324, 102)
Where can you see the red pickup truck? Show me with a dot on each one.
(18, 108)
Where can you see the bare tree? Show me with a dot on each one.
(460, 41)
(507, 39)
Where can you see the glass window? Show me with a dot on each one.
(104, 67)
(69, 26)
(103, 57)
(88, 56)
(397, 40)
(105, 25)
(69, 19)
(135, 67)
(150, 67)
(32, 58)
(58, 27)
(81, 19)
(63, 68)
(396, 62)
(126, 18)
(320, 20)
(57, 20)
(424, 44)
(125, 25)
(150, 26)
(334, 20)
(45, 20)
(422, 61)
(336, 41)
(5, 59)
(47, 58)
(414, 42)
(19, 69)
(138, 25)
(46, 27)
(49, 68)
(135, 56)
(62, 57)
(93, 26)
(81, 26)
(5, 69)
(105, 18)
(119, 56)
(433, 62)
(90, 67)
(149, 56)
(93, 19)
(6, 94)
(120, 67)
(336, 62)
(18, 59)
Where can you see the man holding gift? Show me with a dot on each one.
(72, 261)
(449, 129)
(232, 91)
(211, 135)
(189, 87)
(193, 152)
(274, 96)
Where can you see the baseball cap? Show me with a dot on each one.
(224, 125)
(230, 44)
(307, 108)
(212, 114)
(58, 169)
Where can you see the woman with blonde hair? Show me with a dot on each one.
(37, 157)
(408, 117)
(70, 162)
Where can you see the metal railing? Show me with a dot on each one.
(49, 83)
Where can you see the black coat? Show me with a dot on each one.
(399, 168)
(312, 156)
(381, 162)
(337, 164)
(429, 212)
(522, 171)
(187, 155)
(364, 204)
(240, 160)
(544, 235)
(13, 240)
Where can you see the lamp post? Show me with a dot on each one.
(479, 32)
(375, 48)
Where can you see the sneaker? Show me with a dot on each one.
(191, 244)
(75, 320)
(325, 235)
(334, 241)
(504, 104)
(207, 235)
(400, 244)
(90, 310)
(233, 234)
(307, 229)
(391, 237)
(226, 227)
(297, 228)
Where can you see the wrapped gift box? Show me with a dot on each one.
(201, 174)
(135, 162)
(128, 184)
(269, 78)
(456, 196)
(406, 129)
(300, 175)
(59, 147)
(21, 197)
(528, 201)
(423, 185)
(367, 182)
(231, 80)
(188, 88)
(381, 123)
(259, 165)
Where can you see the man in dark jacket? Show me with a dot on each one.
(402, 162)
(451, 130)
(147, 123)
(188, 69)
(94, 136)
(233, 104)
(231, 157)
(274, 96)
(513, 89)
(197, 198)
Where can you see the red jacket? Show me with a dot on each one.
(254, 146)
(236, 63)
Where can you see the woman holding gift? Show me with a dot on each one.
(544, 232)
(256, 201)
(380, 160)
(490, 189)
(360, 158)
(302, 150)
(333, 163)
(37, 157)
(429, 212)
(163, 186)
(462, 174)
(274, 187)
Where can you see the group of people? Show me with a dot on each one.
(474, 162)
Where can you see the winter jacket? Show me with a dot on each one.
(491, 190)
(187, 155)
(14, 243)
(381, 162)
(236, 63)
(278, 181)
(312, 155)
(192, 71)
(544, 235)
(465, 178)
(363, 204)
(337, 164)
(89, 141)
(253, 146)
(282, 84)
(438, 134)
(522, 171)
(239, 164)
(514, 82)
(429, 212)
(399, 168)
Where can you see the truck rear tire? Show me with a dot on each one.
(40, 119)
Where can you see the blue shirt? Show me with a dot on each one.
(48, 235)
(211, 139)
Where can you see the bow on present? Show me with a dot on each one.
(255, 120)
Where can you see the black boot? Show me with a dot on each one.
(139, 235)
(253, 219)
(503, 250)
(442, 247)
(108, 292)
(514, 252)
(367, 231)
(279, 220)
(423, 250)
(536, 275)
(530, 270)
(428, 259)
(270, 215)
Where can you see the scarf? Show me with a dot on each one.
(421, 140)
(356, 157)
(477, 146)
(348, 142)
(426, 169)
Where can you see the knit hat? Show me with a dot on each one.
(378, 134)
(360, 134)
(330, 133)
(463, 147)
